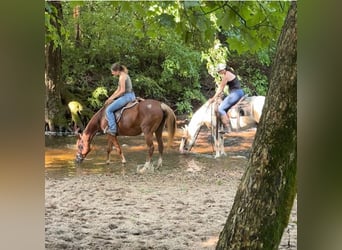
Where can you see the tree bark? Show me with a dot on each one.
(76, 15)
(265, 196)
(53, 68)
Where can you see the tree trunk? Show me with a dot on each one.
(265, 196)
(53, 83)
(76, 15)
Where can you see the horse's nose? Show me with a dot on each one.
(79, 158)
(183, 150)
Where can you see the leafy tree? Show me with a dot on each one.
(245, 30)
(53, 64)
(265, 196)
(145, 48)
(167, 46)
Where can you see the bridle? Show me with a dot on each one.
(79, 156)
(212, 125)
(185, 138)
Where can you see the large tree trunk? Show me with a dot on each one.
(267, 190)
(53, 83)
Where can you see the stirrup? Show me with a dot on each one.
(113, 133)
(107, 131)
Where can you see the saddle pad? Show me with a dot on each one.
(243, 108)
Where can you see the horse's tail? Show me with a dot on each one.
(170, 123)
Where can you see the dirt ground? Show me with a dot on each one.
(176, 208)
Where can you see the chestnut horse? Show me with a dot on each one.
(146, 116)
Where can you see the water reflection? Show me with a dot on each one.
(60, 154)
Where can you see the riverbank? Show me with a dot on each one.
(179, 208)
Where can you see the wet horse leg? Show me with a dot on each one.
(149, 143)
(217, 146)
(159, 133)
(219, 143)
(109, 149)
(113, 140)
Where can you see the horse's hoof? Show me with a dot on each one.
(159, 164)
(141, 169)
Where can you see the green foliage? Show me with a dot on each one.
(51, 34)
(252, 71)
(148, 87)
(156, 73)
(95, 100)
(251, 26)
(183, 104)
(258, 81)
(180, 75)
(167, 46)
(52, 21)
(213, 56)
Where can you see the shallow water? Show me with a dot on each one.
(183, 205)
(60, 154)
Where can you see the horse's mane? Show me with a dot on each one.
(94, 122)
(200, 117)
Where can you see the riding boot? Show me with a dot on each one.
(225, 129)
(109, 131)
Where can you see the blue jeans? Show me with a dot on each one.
(115, 105)
(230, 100)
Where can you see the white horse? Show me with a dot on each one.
(243, 115)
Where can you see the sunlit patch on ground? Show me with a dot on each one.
(211, 242)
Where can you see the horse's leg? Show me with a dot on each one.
(216, 137)
(221, 145)
(116, 144)
(217, 146)
(109, 149)
(149, 142)
(148, 164)
(218, 142)
(159, 133)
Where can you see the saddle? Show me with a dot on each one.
(118, 113)
(241, 108)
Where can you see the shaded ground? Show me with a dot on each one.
(178, 207)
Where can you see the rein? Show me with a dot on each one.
(216, 129)
(196, 135)
(212, 126)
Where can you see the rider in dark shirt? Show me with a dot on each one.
(235, 93)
